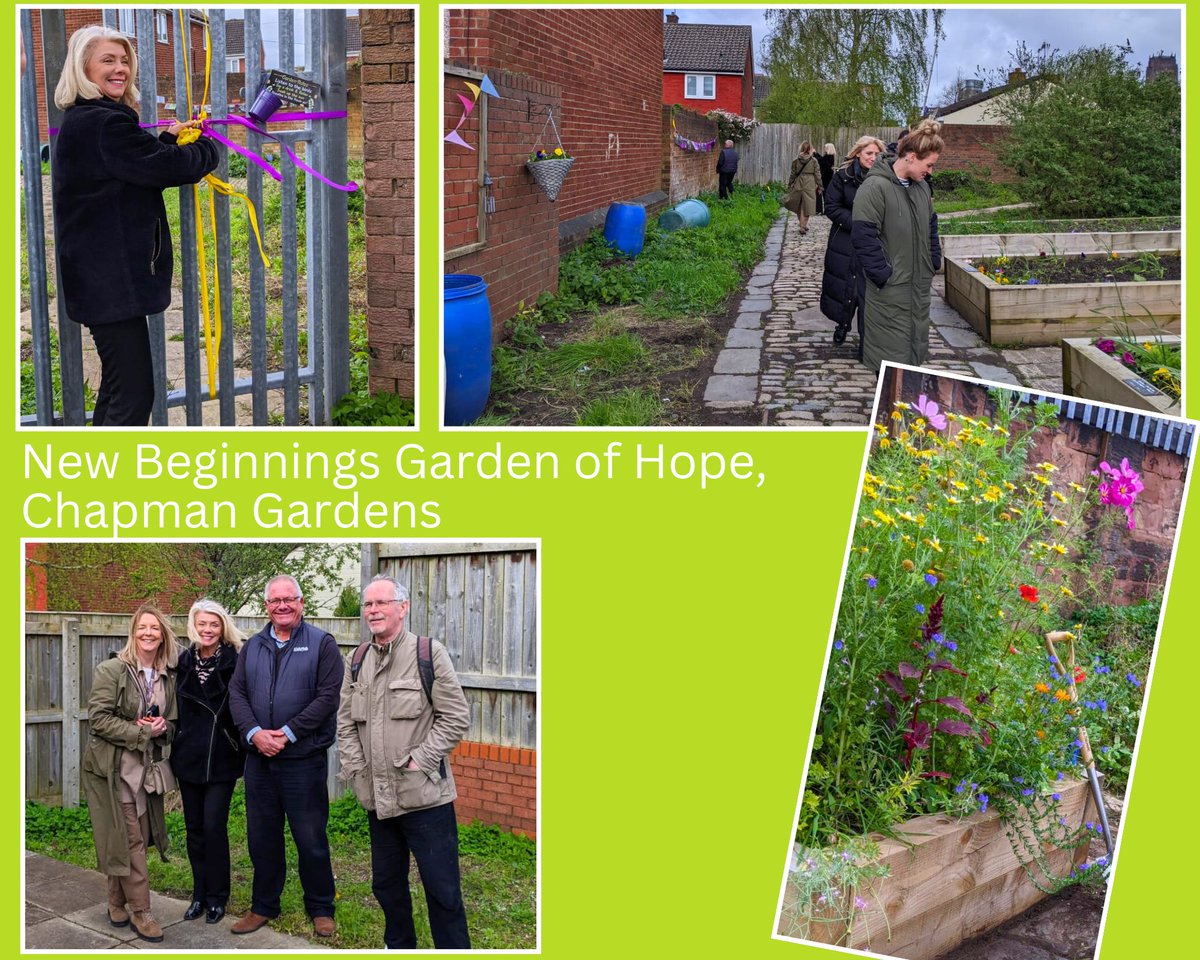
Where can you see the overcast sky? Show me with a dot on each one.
(983, 36)
(270, 31)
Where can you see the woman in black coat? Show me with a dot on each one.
(825, 160)
(111, 236)
(207, 756)
(843, 287)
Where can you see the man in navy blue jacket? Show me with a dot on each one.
(284, 699)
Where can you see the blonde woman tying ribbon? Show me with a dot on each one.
(112, 238)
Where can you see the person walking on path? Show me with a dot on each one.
(826, 160)
(284, 700)
(895, 238)
(402, 713)
(207, 755)
(804, 185)
(131, 721)
(727, 164)
(843, 284)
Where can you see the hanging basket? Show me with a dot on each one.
(550, 174)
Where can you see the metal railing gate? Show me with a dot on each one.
(325, 369)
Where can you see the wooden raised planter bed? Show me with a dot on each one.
(965, 246)
(1044, 314)
(950, 880)
(1092, 374)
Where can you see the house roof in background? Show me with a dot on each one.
(762, 88)
(353, 37)
(235, 38)
(713, 47)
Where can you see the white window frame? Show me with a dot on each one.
(234, 64)
(693, 86)
(127, 21)
(162, 26)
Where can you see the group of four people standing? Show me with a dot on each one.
(269, 708)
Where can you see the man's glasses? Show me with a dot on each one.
(378, 604)
(278, 601)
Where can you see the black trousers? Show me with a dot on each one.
(292, 789)
(725, 184)
(126, 394)
(431, 836)
(206, 817)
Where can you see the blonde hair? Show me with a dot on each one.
(168, 651)
(230, 634)
(923, 139)
(830, 150)
(860, 145)
(74, 81)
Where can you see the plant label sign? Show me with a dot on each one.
(290, 88)
(1144, 387)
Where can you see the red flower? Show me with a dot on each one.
(1012, 649)
(1029, 594)
(1080, 676)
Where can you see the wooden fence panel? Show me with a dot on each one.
(767, 157)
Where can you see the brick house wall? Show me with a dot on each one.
(732, 94)
(1139, 558)
(606, 101)
(688, 173)
(496, 785)
(65, 576)
(389, 155)
(164, 58)
(975, 148)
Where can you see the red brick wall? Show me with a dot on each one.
(68, 576)
(389, 153)
(686, 172)
(732, 95)
(496, 785)
(975, 149)
(521, 256)
(608, 65)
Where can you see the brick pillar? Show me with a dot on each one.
(389, 149)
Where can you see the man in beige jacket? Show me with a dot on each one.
(394, 740)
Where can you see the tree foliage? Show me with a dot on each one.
(838, 67)
(1095, 140)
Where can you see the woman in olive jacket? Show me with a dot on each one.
(804, 185)
(842, 285)
(208, 757)
(111, 235)
(131, 721)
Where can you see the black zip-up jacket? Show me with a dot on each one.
(298, 686)
(842, 282)
(207, 748)
(110, 225)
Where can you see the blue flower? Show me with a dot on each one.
(1060, 776)
(1027, 792)
(983, 803)
(961, 786)
(931, 579)
(919, 607)
(1056, 797)
(951, 645)
(1132, 679)
(837, 644)
(938, 639)
(872, 582)
(1104, 749)
(1033, 281)
(1102, 704)
(1018, 779)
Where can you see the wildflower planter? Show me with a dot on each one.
(1044, 314)
(1092, 374)
(967, 246)
(949, 881)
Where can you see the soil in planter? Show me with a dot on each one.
(1083, 269)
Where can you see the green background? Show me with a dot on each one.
(683, 639)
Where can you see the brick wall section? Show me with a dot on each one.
(65, 576)
(521, 256)
(1138, 558)
(389, 153)
(496, 785)
(730, 94)
(688, 173)
(975, 149)
(608, 64)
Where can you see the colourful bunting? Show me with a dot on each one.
(484, 87)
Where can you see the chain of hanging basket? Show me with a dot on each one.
(550, 173)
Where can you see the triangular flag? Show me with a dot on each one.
(488, 88)
(453, 137)
(468, 105)
(474, 89)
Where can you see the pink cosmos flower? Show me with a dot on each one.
(1120, 487)
(929, 410)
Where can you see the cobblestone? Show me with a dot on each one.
(803, 377)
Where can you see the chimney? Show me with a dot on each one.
(672, 18)
(1016, 76)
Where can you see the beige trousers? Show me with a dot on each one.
(133, 890)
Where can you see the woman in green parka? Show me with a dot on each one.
(131, 720)
(895, 238)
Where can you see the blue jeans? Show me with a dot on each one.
(294, 789)
(432, 837)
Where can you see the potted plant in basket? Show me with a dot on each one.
(549, 168)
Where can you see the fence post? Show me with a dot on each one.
(188, 255)
(288, 229)
(70, 712)
(219, 98)
(254, 190)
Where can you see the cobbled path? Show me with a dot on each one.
(780, 359)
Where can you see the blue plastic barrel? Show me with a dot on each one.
(467, 347)
(625, 227)
(687, 213)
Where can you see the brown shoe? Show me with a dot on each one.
(145, 926)
(249, 923)
(118, 916)
(324, 926)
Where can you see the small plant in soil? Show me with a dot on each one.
(1079, 268)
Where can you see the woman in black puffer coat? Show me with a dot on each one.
(111, 234)
(208, 757)
(842, 286)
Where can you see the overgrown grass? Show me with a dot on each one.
(499, 874)
(959, 190)
(1027, 220)
(610, 346)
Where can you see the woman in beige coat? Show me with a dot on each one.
(804, 185)
(131, 720)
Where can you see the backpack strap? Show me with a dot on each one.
(357, 658)
(425, 665)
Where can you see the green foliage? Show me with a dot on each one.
(28, 387)
(490, 842)
(1070, 139)
(626, 408)
(1026, 220)
(964, 190)
(848, 67)
(349, 603)
(732, 126)
(359, 407)
(49, 827)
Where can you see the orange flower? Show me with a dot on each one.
(1041, 734)
(1042, 688)
(1061, 695)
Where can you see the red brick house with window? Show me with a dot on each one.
(708, 66)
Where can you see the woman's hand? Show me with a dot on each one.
(158, 725)
(178, 127)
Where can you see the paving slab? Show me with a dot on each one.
(737, 360)
(731, 389)
(59, 934)
(744, 338)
